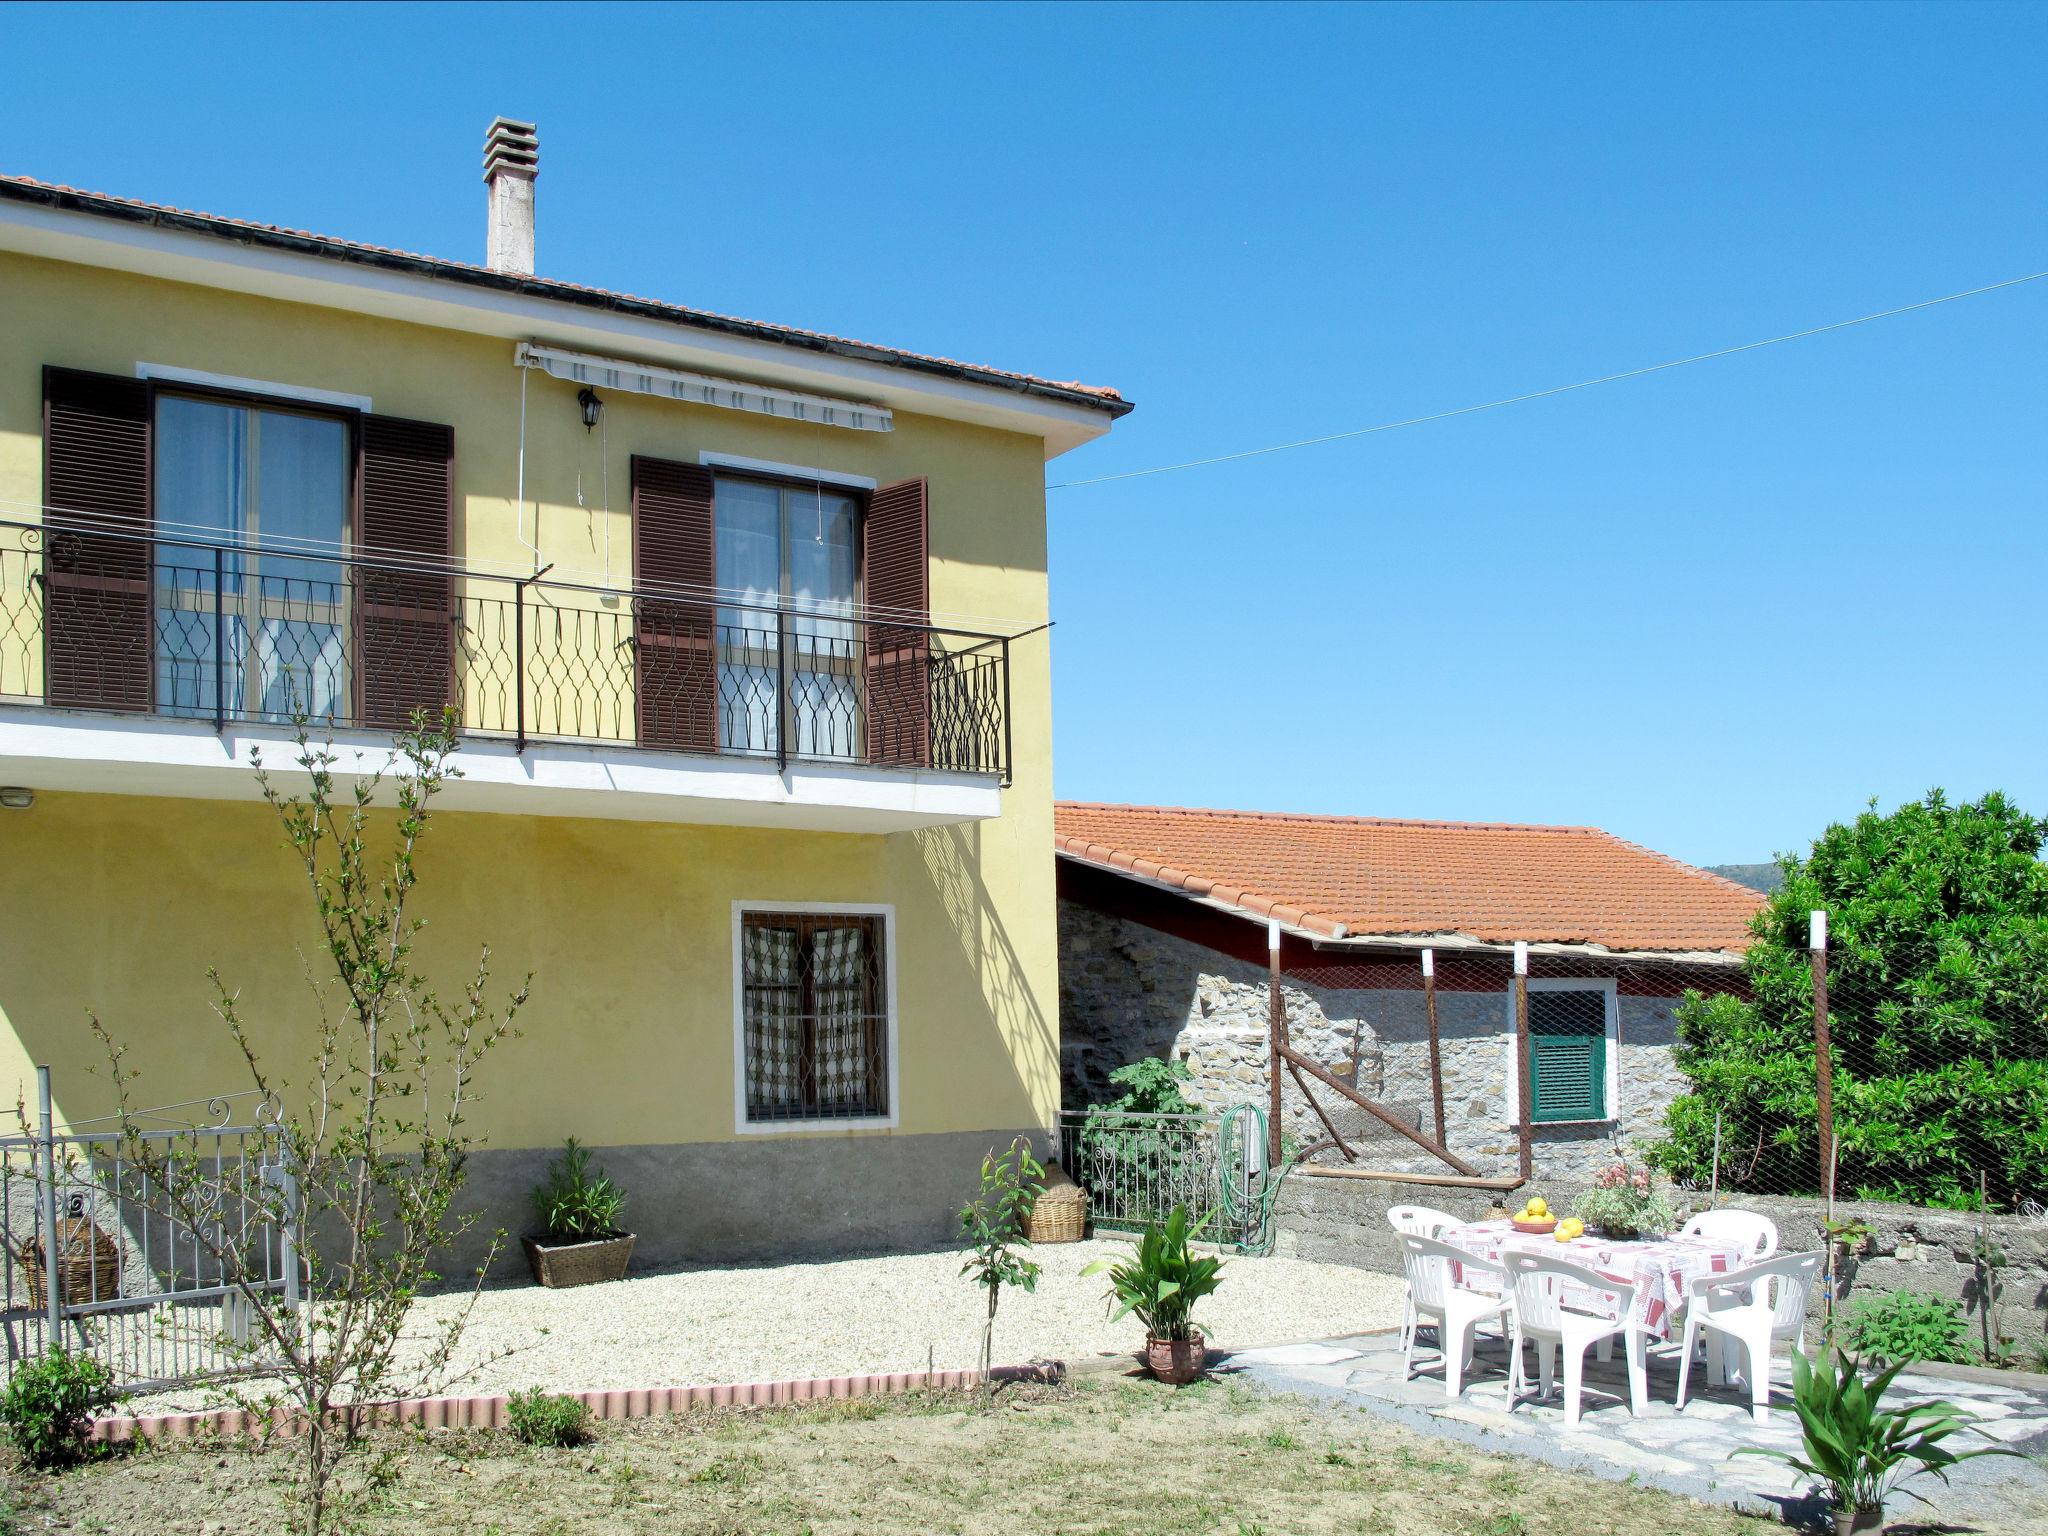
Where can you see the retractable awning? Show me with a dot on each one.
(618, 373)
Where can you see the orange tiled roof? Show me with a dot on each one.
(1098, 395)
(1350, 876)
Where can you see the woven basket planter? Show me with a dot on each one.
(557, 1265)
(1060, 1214)
(88, 1265)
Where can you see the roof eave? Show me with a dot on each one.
(1071, 408)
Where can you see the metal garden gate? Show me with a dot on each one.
(96, 1265)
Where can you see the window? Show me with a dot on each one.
(790, 548)
(814, 1016)
(1567, 1054)
(258, 633)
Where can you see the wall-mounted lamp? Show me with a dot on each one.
(593, 407)
(15, 798)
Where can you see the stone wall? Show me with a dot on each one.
(1129, 991)
(1344, 1221)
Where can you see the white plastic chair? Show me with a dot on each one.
(1753, 1307)
(1422, 1221)
(1545, 1316)
(1435, 1296)
(1757, 1234)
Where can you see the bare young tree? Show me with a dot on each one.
(372, 1143)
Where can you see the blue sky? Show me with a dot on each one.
(1710, 610)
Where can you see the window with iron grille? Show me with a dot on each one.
(814, 1016)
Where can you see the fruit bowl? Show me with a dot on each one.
(1538, 1225)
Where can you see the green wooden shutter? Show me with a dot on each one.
(1568, 1055)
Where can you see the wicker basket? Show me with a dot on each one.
(1060, 1214)
(88, 1265)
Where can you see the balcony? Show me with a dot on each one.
(153, 665)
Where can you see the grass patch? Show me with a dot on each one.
(1118, 1457)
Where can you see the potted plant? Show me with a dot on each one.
(1623, 1204)
(580, 1240)
(1861, 1452)
(1162, 1283)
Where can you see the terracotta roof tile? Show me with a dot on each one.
(103, 202)
(1348, 876)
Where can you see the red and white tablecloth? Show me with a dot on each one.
(1662, 1269)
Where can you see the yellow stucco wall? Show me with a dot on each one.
(121, 903)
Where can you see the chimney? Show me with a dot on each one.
(511, 161)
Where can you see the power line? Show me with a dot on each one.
(1560, 389)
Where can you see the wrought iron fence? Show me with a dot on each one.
(1138, 1167)
(94, 1266)
(111, 618)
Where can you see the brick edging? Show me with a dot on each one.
(487, 1410)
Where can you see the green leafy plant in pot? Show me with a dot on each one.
(1860, 1452)
(1161, 1283)
(578, 1211)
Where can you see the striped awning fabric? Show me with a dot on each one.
(618, 373)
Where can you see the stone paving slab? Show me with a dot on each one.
(1691, 1453)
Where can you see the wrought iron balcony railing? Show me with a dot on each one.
(100, 617)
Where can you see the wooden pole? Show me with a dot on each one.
(1436, 1058)
(1276, 1031)
(1823, 1053)
(1525, 1106)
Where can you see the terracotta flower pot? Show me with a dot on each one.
(1858, 1522)
(1177, 1361)
(556, 1265)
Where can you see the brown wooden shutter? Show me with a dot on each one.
(675, 547)
(895, 577)
(97, 623)
(405, 630)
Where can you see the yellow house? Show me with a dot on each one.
(744, 626)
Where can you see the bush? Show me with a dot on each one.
(578, 1203)
(1905, 1326)
(48, 1406)
(1938, 985)
(546, 1418)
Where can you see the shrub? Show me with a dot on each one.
(547, 1418)
(48, 1405)
(1938, 982)
(1904, 1326)
(578, 1203)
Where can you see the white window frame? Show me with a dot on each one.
(1611, 990)
(741, 1124)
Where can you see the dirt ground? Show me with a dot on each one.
(1099, 1455)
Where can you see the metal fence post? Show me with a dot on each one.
(1823, 1052)
(1525, 1150)
(53, 1297)
(220, 649)
(519, 666)
(785, 712)
(1008, 743)
(1276, 1027)
(1436, 1055)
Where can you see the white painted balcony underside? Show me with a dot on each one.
(57, 749)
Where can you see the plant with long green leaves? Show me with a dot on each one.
(578, 1203)
(1863, 1452)
(1164, 1278)
(993, 1224)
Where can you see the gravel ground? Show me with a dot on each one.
(899, 1312)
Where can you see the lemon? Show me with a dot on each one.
(1539, 1206)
